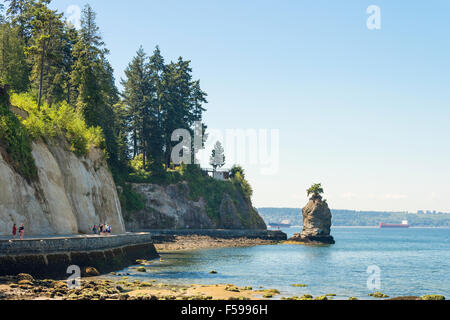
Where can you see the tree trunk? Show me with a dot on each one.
(143, 156)
(134, 143)
(41, 79)
(68, 92)
(168, 157)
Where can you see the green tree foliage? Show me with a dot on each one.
(137, 96)
(160, 99)
(48, 43)
(153, 135)
(45, 48)
(122, 129)
(2, 16)
(60, 120)
(59, 87)
(236, 169)
(14, 139)
(240, 182)
(14, 69)
(182, 101)
(315, 191)
(92, 82)
(19, 14)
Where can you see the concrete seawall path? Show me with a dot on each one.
(50, 256)
(64, 236)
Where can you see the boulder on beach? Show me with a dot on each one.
(91, 272)
(316, 220)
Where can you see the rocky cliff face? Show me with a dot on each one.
(316, 223)
(70, 195)
(170, 207)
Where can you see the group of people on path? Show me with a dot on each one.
(102, 229)
(21, 231)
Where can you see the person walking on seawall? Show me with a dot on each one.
(21, 231)
(14, 231)
(95, 229)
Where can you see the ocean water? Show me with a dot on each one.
(411, 262)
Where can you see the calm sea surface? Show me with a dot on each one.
(412, 262)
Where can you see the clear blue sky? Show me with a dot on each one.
(366, 113)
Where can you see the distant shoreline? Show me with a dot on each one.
(364, 227)
(349, 218)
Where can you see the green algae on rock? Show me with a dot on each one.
(433, 297)
(379, 295)
(299, 285)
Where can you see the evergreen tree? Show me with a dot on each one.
(154, 136)
(88, 54)
(137, 90)
(61, 87)
(2, 17)
(182, 101)
(122, 130)
(217, 159)
(92, 81)
(316, 191)
(44, 50)
(20, 16)
(14, 69)
(107, 120)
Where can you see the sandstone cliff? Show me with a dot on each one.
(70, 195)
(171, 207)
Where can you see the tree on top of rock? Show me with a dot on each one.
(315, 191)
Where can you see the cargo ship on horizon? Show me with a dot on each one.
(404, 224)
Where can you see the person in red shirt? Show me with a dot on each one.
(14, 231)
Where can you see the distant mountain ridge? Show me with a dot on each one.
(359, 218)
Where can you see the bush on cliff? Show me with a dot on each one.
(212, 191)
(130, 200)
(138, 174)
(242, 184)
(58, 120)
(16, 142)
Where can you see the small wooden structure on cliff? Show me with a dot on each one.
(221, 175)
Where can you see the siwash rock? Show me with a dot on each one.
(316, 223)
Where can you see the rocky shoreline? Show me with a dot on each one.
(25, 287)
(196, 242)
